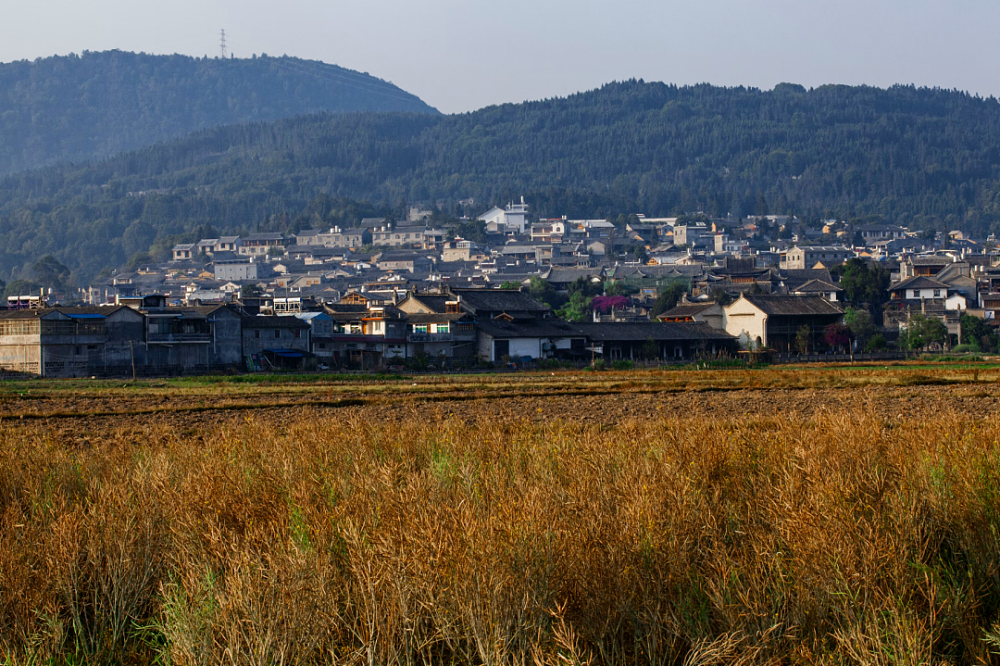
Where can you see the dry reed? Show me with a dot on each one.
(844, 539)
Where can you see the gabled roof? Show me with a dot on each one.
(918, 282)
(817, 286)
(433, 302)
(435, 317)
(792, 305)
(795, 277)
(498, 300)
(264, 237)
(533, 328)
(687, 310)
(930, 260)
(566, 275)
(658, 331)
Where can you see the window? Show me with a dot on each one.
(256, 334)
(298, 333)
(420, 328)
(442, 328)
(937, 293)
(277, 334)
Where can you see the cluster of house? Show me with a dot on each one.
(387, 292)
(147, 336)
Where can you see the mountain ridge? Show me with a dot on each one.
(82, 107)
(924, 157)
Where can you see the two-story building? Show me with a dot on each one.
(275, 342)
(813, 256)
(260, 245)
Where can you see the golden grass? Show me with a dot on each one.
(847, 538)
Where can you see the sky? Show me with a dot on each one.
(461, 55)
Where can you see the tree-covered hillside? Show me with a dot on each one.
(914, 156)
(76, 108)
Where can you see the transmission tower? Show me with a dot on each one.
(222, 46)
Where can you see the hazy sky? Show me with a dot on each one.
(460, 55)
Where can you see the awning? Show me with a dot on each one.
(287, 353)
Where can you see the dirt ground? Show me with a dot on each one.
(86, 420)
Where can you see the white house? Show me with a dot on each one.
(775, 321)
(512, 219)
(918, 288)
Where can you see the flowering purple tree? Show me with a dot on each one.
(836, 336)
(605, 304)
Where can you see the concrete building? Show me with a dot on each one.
(826, 256)
(240, 271)
(511, 219)
(773, 322)
(260, 245)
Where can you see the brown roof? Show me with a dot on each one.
(687, 309)
(793, 305)
(918, 282)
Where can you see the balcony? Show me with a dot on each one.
(431, 337)
(178, 338)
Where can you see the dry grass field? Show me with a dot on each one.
(813, 515)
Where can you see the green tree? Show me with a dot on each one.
(251, 291)
(542, 291)
(20, 288)
(877, 343)
(721, 296)
(50, 272)
(577, 308)
(510, 284)
(864, 285)
(976, 331)
(585, 286)
(803, 339)
(668, 298)
(650, 350)
(860, 324)
(921, 332)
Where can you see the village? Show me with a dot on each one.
(405, 294)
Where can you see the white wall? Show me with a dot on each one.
(525, 347)
(744, 317)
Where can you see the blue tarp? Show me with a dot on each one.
(84, 316)
(285, 353)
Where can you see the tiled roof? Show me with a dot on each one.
(499, 300)
(625, 331)
(687, 309)
(793, 305)
(817, 286)
(918, 282)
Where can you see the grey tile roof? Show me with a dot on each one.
(499, 300)
(918, 282)
(793, 305)
(638, 331)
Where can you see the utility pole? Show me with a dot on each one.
(223, 52)
(131, 349)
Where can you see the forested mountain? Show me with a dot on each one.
(76, 108)
(923, 157)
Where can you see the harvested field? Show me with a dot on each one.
(802, 515)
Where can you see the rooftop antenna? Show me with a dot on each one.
(222, 46)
